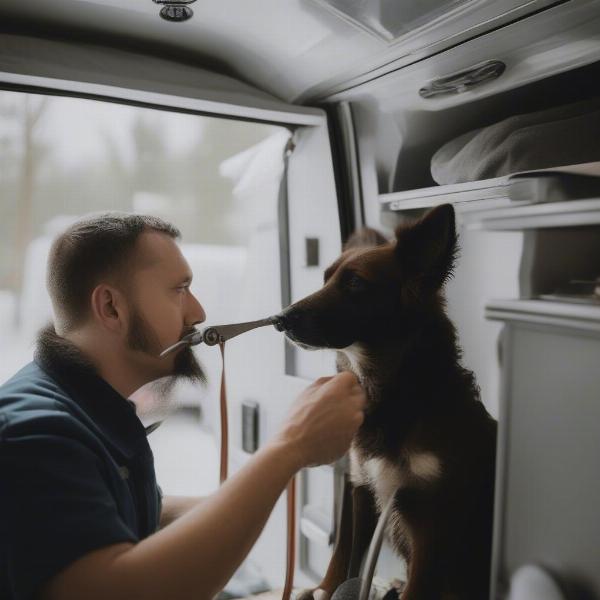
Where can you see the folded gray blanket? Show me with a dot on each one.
(564, 135)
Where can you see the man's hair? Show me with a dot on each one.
(96, 247)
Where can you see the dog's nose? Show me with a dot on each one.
(287, 320)
(279, 322)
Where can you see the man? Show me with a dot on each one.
(79, 507)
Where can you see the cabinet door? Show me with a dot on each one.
(550, 494)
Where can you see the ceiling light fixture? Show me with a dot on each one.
(175, 11)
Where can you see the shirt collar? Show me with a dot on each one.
(113, 414)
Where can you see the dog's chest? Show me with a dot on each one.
(354, 359)
(383, 476)
(380, 475)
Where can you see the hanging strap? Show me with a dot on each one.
(286, 299)
(291, 540)
(224, 422)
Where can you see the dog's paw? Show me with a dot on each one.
(316, 594)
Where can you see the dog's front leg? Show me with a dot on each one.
(425, 577)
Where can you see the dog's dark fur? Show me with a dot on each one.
(425, 428)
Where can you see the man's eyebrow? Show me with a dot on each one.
(186, 279)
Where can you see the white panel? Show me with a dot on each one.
(487, 267)
(255, 361)
(313, 213)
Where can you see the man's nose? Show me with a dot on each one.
(196, 313)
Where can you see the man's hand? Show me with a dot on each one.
(324, 419)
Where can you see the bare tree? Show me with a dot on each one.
(31, 113)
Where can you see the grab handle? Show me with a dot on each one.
(462, 81)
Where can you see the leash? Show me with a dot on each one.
(224, 421)
(291, 539)
(290, 490)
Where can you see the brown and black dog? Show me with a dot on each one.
(426, 434)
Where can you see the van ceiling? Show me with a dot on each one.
(285, 47)
(296, 50)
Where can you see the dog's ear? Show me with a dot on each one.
(427, 249)
(365, 237)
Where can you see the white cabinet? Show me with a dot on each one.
(549, 491)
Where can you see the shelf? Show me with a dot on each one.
(544, 312)
(534, 216)
(498, 213)
(475, 194)
(503, 204)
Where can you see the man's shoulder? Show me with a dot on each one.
(32, 401)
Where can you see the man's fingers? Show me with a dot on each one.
(323, 380)
(347, 376)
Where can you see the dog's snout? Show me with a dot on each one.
(288, 320)
(279, 322)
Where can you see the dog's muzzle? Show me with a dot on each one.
(279, 322)
(290, 320)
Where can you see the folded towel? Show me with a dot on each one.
(563, 135)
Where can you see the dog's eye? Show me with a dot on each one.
(355, 282)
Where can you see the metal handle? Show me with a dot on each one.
(368, 568)
(462, 81)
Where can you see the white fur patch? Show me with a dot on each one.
(386, 479)
(356, 357)
(425, 465)
(357, 477)
(380, 475)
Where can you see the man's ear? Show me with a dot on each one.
(427, 249)
(108, 307)
(365, 237)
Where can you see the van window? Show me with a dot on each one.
(215, 179)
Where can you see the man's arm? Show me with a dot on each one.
(174, 507)
(197, 554)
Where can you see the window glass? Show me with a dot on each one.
(62, 158)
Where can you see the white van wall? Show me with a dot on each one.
(255, 361)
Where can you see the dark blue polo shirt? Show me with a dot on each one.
(76, 470)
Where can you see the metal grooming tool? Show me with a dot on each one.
(191, 339)
(212, 336)
(222, 333)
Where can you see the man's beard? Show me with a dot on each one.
(141, 337)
